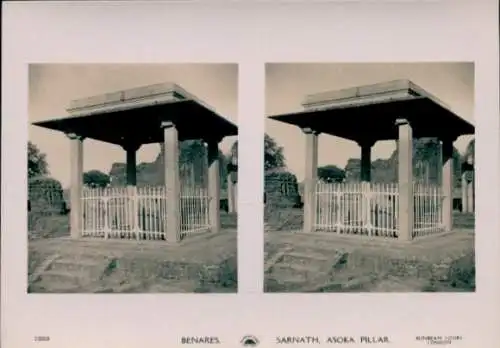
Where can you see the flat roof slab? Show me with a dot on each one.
(370, 112)
(135, 115)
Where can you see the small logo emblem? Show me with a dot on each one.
(249, 341)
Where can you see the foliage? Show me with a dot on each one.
(273, 154)
(37, 161)
(331, 173)
(96, 178)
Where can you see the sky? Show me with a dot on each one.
(288, 84)
(53, 86)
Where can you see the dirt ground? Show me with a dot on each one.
(205, 263)
(444, 264)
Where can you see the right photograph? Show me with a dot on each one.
(369, 181)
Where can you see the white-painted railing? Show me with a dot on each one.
(428, 213)
(357, 208)
(124, 212)
(140, 212)
(370, 209)
(194, 210)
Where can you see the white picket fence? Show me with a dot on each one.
(140, 213)
(370, 209)
(428, 210)
(194, 208)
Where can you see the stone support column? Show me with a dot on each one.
(472, 198)
(405, 180)
(131, 164)
(447, 184)
(465, 193)
(76, 170)
(310, 179)
(230, 195)
(131, 179)
(214, 185)
(172, 182)
(366, 168)
(366, 161)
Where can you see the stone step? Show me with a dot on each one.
(60, 276)
(281, 271)
(305, 257)
(312, 265)
(292, 281)
(77, 264)
(50, 287)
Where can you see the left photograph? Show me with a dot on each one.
(132, 178)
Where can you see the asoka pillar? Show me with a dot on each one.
(311, 174)
(76, 169)
(131, 164)
(447, 184)
(405, 180)
(214, 185)
(133, 213)
(366, 167)
(366, 161)
(172, 182)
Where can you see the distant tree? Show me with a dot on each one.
(95, 179)
(37, 162)
(273, 154)
(331, 173)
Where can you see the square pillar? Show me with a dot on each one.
(214, 185)
(405, 180)
(230, 195)
(131, 164)
(465, 193)
(447, 184)
(310, 179)
(472, 200)
(133, 206)
(366, 168)
(235, 196)
(172, 182)
(366, 161)
(76, 170)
